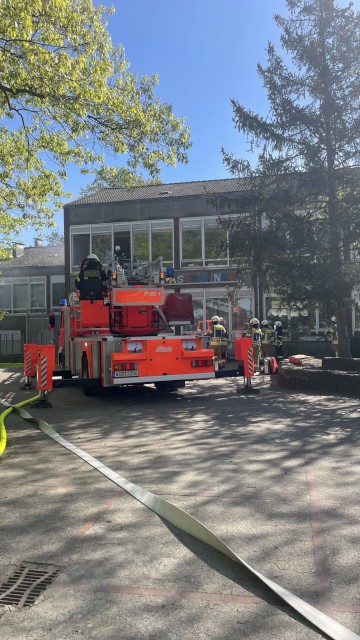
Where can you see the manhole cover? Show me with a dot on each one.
(26, 583)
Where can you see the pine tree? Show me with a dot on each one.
(306, 181)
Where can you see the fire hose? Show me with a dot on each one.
(183, 521)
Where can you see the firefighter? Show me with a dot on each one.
(267, 332)
(255, 334)
(277, 339)
(224, 340)
(217, 332)
(92, 278)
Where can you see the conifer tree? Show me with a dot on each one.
(300, 228)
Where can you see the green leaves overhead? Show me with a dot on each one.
(67, 96)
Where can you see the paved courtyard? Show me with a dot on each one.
(275, 475)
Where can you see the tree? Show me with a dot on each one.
(115, 178)
(55, 238)
(67, 96)
(306, 181)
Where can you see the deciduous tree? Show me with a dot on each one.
(67, 96)
(115, 178)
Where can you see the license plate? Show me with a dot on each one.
(125, 374)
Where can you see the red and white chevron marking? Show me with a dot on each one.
(43, 371)
(250, 361)
(28, 363)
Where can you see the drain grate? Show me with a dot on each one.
(26, 584)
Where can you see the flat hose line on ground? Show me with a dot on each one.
(190, 525)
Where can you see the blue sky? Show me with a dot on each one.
(205, 52)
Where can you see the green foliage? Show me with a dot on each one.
(55, 239)
(296, 230)
(67, 96)
(116, 178)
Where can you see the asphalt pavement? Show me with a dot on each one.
(274, 474)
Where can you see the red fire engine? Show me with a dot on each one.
(125, 334)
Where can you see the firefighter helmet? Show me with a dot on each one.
(215, 319)
(92, 256)
(277, 323)
(253, 322)
(221, 320)
(265, 323)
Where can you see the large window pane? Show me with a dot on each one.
(162, 241)
(20, 296)
(57, 290)
(5, 296)
(141, 242)
(80, 249)
(215, 243)
(122, 239)
(37, 296)
(101, 245)
(191, 242)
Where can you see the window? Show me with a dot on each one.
(203, 243)
(20, 296)
(138, 241)
(162, 241)
(122, 238)
(57, 284)
(37, 296)
(101, 243)
(5, 295)
(191, 243)
(141, 242)
(80, 246)
(215, 238)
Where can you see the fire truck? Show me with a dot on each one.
(127, 335)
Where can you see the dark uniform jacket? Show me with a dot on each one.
(91, 281)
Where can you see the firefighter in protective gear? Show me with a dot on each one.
(217, 335)
(278, 340)
(255, 334)
(91, 280)
(267, 332)
(224, 340)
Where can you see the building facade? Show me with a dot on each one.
(178, 222)
(175, 221)
(31, 286)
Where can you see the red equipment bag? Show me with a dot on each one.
(273, 365)
(178, 307)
